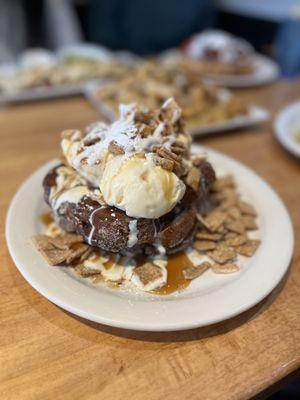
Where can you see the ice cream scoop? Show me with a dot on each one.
(139, 187)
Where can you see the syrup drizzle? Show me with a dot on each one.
(176, 264)
(46, 218)
(176, 281)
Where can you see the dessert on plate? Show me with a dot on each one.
(220, 53)
(155, 82)
(132, 206)
(60, 74)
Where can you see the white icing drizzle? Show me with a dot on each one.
(92, 225)
(160, 248)
(133, 233)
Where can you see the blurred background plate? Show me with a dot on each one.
(255, 116)
(37, 57)
(40, 93)
(85, 51)
(287, 128)
(265, 71)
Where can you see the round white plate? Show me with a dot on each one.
(256, 115)
(41, 93)
(33, 94)
(209, 299)
(265, 71)
(286, 124)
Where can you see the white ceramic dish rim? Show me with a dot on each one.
(277, 248)
(288, 117)
(41, 93)
(265, 71)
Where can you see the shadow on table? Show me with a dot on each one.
(191, 334)
(287, 388)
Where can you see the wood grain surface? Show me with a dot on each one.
(47, 353)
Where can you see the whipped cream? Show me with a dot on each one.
(228, 47)
(89, 160)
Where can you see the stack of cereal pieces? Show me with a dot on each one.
(224, 232)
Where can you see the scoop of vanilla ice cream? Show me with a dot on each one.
(139, 187)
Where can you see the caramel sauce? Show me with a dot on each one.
(46, 218)
(108, 264)
(112, 261)
(176, 264)
(76, 246)
(176, 281)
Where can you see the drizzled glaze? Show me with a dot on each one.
(92, 231)
(133, 233)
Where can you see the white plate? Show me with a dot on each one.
(286, 124)
(256, 115)
(33, 94)
(41, 93)
(209, 299)
(38, 57)
(265, 71)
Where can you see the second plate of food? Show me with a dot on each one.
(225, 113)
(264, 71)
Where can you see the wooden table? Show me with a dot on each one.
(47, 353)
